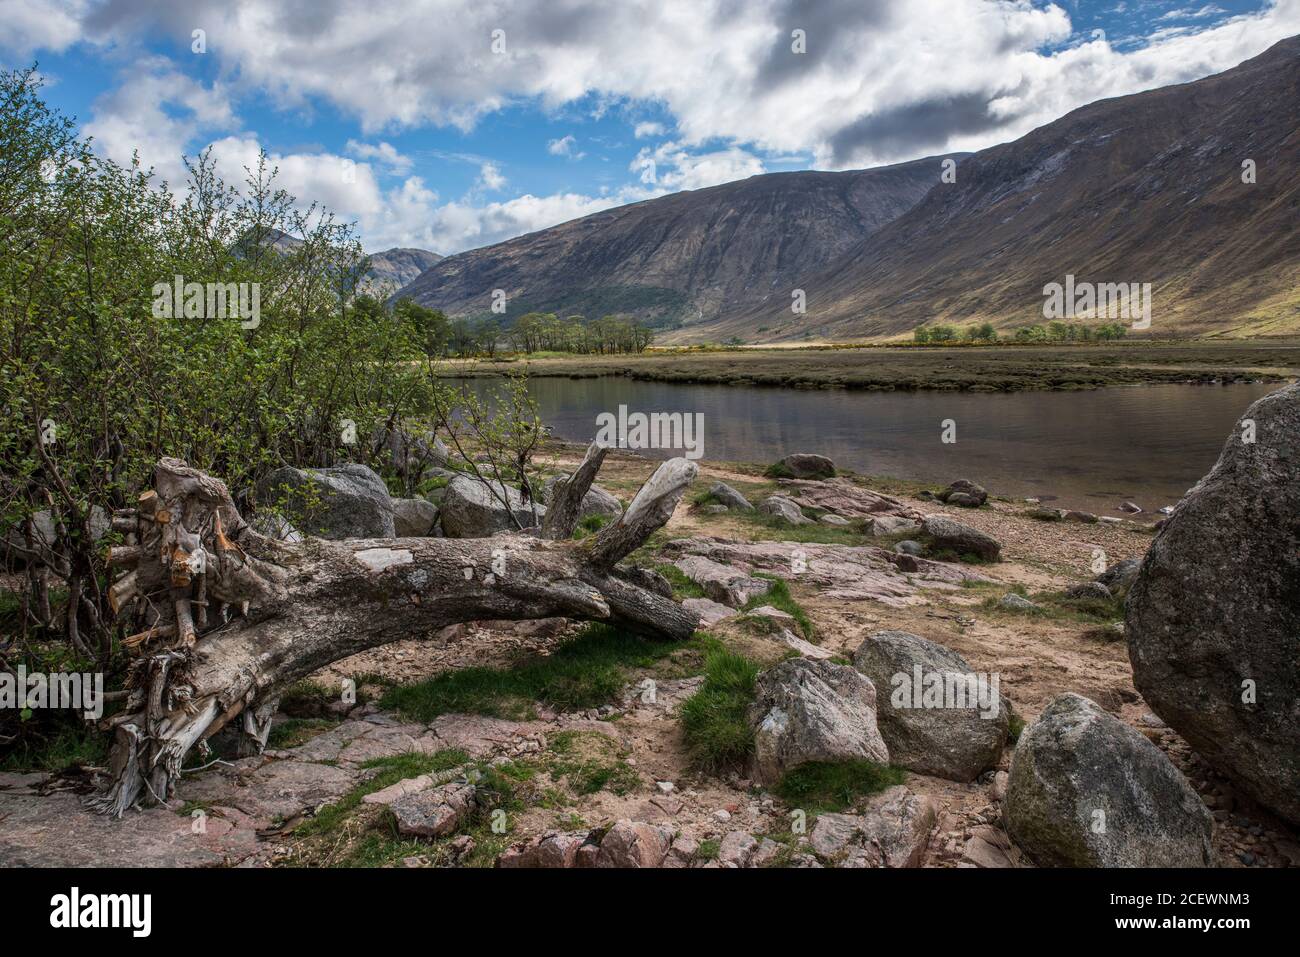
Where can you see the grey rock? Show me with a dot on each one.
(893, 831)
(738, 848)
(1086, 790)
(1089, 590)
(893, 525)
(832, 519)
(808, 710)
(1047, 514)
(722, 583)
(709, 611)
(1016, 602)
(472, 509)
(909, 547)
(411, 456)
(961, 737)
(43, 532)
(973, 495)
(962, 539)
(634, 844)
(341, 502)
(276, 526)
(728, 496)
(805, 465)
(1217, 603)
(413, 517)
(784, 508)
(434, 812)
(551, 850)
(1119, 578)
(713, 508)
(1131, 507)
(597, 501)
(1086, 518)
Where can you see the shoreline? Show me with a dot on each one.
(913, 369)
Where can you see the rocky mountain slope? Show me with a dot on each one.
(1142, 188)
(392, 269)
(683, 258)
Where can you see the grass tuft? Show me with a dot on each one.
(715, 719)
(835, 785)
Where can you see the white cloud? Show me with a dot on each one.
(31, 25)
(642, 130)
(672, 167)
(383, 153)
(491, 178)
(564, 146)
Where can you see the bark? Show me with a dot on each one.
(225, 619)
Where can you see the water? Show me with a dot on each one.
(1089, 450)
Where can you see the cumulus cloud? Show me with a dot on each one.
(564, 146)
(642, 130)
(383, 153)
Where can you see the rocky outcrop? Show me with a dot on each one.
(847, 499)
(935, 714)
(804, 465)
(1086, 790)
(893, 831)
(893, 525)
(965, 494)
(341, 502)
(946, 534)
(723, 584)
(812, 711)
(434, 812)
(1213, 620)
(473, 509)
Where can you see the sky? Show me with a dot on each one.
(453, 124)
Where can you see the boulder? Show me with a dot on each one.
(954, 735)
(722, 583)
(893, 525)
(1014, 602)
(893, 831)
(1047, 514)
(340, 502)
(473, 509)
(434, 812)
(1087, 518)
(944, 533)
(709, 611)
(597, 501)
(724, 494)
(970, 495)
(553, 849)
(1213, 619)
(784, 508)
(804, 465)
(910, 547)
(830, 518)
(1093, 590)
(414, 517)
(411, 456)
(1086, 790)
(634, 844)
(43, 528)
(1119, 578)
(274, 525)
(713, 508)
(806, 710)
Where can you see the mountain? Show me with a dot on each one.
(393, 268)
(1141, 188)
(687, 257)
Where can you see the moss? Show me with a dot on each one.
(835, 785)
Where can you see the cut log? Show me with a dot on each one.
(309, 604)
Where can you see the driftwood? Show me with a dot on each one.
(224, 619)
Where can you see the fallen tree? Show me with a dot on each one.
(228, 618)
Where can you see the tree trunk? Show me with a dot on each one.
(229, 618)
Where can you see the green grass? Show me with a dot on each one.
(590, 525)
(709, 849)
(683, 587)
(715, 719)
(588, 670)
(589, 761)
(767, 528)
(835, 785)
(779, 597)
(55, 745)
(1015, 725)
(1057, 606)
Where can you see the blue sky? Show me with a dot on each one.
(449, 124)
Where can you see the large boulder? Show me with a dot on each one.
(341, 502)
(1213, 620)
(43, 531)
(412, 456)
(1119, 578)
(953, 735)
(1086, 790)
(596, 502)
(787, 509)
(808, 710)
(804, 465)
(944, 533)
(724, 494)
(473, 509)
(414, 517)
